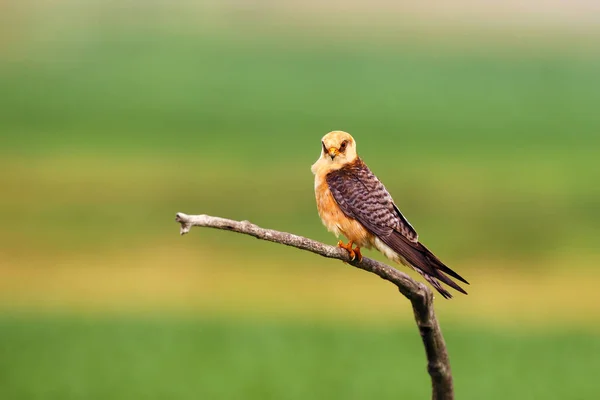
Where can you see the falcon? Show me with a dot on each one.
(351, 201)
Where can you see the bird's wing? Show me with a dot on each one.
(361, 196)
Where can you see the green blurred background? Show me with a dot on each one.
(481, 119)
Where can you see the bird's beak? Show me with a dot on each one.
(333, 152)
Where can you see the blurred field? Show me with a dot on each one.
(111, 122)
(145, 358)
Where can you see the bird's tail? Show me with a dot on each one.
(437, 272)
(427, 264)
(435, 282)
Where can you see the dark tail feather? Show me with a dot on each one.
(450, 272)
(437, 286)
(426, 263)
(441, 269)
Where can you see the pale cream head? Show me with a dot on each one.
(338, 148)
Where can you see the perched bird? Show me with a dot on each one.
(353, 202)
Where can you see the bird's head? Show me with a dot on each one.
(337, 149)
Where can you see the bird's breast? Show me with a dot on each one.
(334, 218)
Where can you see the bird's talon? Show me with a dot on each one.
(358, 254)
(351, 252)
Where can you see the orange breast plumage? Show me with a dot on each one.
(336, 221)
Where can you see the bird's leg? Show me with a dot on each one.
(349, 248)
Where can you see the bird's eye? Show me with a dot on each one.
(343, 145)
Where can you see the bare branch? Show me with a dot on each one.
(418, 293)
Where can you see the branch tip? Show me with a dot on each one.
(183, 219)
